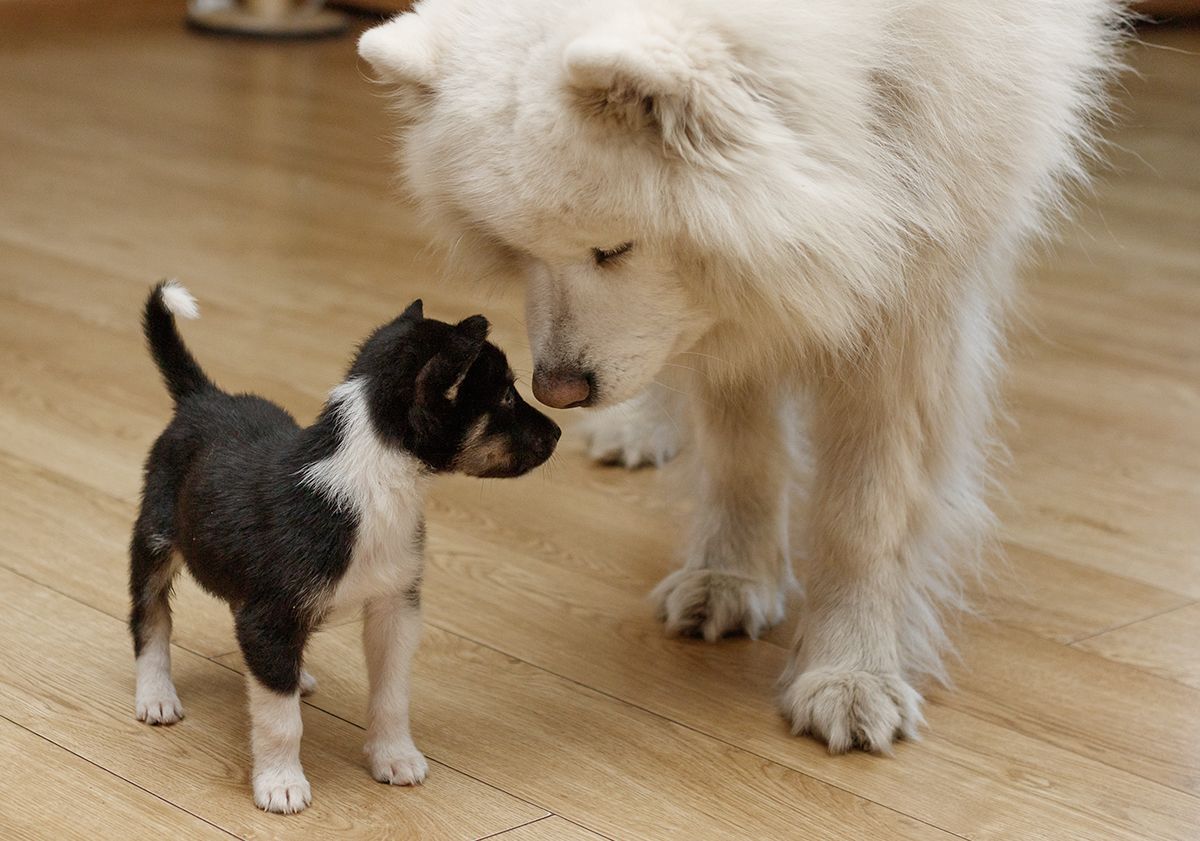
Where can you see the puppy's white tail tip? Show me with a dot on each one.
(179, 301)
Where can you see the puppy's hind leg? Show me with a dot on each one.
(153, 565)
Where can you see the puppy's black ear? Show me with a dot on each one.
(474, 328)
(415, 311)
(442, 375)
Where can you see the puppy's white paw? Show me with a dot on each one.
(159, 705)
(284, 791)
(852, 709)
(703, 602)
(401, 765)
(308, 683)
(631, 435)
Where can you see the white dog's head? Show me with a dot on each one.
(607, 151)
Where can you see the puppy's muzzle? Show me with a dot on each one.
(543, 445)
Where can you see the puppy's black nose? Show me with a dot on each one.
(562, 388)
(548, 440)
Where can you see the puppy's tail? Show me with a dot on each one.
(179, 368)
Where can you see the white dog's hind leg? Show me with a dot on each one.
(737, 571)
(647, 430)
(391, 631)
(897, 512)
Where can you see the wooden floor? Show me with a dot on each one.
(547, 698)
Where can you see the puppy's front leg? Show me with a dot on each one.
(737, 571)
(272, 641)
(275, 730)
(391, 631)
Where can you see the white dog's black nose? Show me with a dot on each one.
(562, 388)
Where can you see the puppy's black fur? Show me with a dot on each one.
(225, 483)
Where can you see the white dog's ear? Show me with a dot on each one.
(401, 51)
(647, 82)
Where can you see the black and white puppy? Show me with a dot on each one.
(288, 524)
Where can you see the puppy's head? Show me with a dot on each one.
(445, 394)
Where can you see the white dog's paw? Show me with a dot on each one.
(401, 765)
(308, 683)
(852, 709)
(159, 705)
(632, 434)
(703, 602)
(284, 791)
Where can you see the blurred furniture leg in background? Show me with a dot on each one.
(266, 18)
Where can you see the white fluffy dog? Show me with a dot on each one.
(752, 202)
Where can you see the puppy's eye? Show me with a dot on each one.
(601, 256)
(509, 398)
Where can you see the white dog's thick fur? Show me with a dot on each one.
(827, 200)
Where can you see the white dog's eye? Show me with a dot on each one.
(606, 255)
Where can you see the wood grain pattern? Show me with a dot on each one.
(1167, 645)
(487, 714)
(49, 792)
(546, 694)
(202, 764)
(552, 828)
(992, 723)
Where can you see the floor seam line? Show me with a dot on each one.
(698, 731)
(514, 828)
(1133, 622)
(308, 702)
(113, 773)
(692, 728)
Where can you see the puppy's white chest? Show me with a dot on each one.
(387, 558)
(384, 488)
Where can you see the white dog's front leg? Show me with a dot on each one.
(645, 431)
(898, 509)
(847, 683)
(391, 632)
(275, 730)
(737, 570)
